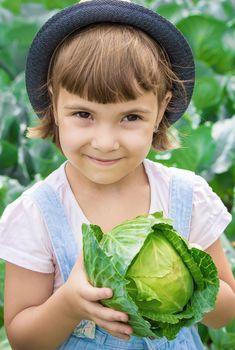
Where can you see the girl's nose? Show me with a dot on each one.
(104, 140)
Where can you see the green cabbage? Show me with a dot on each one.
(156, 278)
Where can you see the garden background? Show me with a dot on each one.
(207, 130)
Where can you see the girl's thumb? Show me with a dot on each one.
(89, 292)
(95, 294)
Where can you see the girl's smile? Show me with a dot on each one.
(104, 162)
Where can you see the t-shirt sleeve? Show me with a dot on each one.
(210, 217)
(23, 236)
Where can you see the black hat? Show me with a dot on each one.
(72, 18)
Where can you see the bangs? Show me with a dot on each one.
(110, 63)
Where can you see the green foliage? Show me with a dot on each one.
(224, 338)
(16, 5)
(206, 130)
(4, 344)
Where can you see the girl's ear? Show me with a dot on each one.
(163, 106)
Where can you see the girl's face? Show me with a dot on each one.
(106, 142)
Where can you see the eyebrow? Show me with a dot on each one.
(132, 110)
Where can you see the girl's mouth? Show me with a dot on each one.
(104, 161)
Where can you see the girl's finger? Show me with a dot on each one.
(115, 328)
(106, 314)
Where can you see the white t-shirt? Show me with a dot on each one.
(23, 235)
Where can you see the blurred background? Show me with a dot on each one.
(207, 130)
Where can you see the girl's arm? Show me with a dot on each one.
(36, 319)
(224, 310)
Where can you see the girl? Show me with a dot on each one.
(105, 93)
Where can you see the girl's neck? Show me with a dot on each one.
(108, 206)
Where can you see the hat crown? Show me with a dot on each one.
(87, 12)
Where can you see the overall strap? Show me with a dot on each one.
(58, 227)
(63, 242)
(181, 199)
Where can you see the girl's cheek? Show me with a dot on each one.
(141, 139)
(68, 133)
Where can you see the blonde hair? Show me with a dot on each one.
(109, 63)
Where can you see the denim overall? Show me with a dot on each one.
(88, 336)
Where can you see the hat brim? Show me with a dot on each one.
(80, 15)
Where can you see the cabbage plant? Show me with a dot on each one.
(156, 278)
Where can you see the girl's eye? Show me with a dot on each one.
(132, 118)
(86, 115)
(82, 115)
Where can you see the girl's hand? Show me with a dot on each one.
(83, 303)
